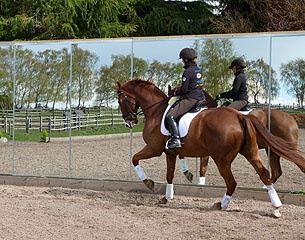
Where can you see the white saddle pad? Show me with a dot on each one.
(183, 124)
(246, 112)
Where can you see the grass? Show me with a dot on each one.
(34, 135)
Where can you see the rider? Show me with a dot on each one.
(239, 91)
(189, 93)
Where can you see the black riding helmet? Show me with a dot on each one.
(188, 53)
(239, 63)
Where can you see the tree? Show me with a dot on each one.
(159, 17)
(27, 73)
(54, 72)
(259, 16)
(164, 74)
(293, 75)
(6, 72)
(57, 19)
(84, 74)
(215, 55)
(119, 71)
(6, 102)
(258, 81)
(160, 74)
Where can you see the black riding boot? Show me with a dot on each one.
(175, 138)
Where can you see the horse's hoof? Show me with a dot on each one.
(163, 200)
(150, 184)
(217, 205)
(276, 213)
(189, 176)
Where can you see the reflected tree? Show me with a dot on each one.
(258, 81)
(215, 56)
(165, 74)
(293, 75)
(6, 72)
(161, 74)
(84, 72)
(118, 71)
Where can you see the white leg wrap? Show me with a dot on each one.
(141, 174)
(183, 165)
(225, 201)
(201, 181)
(275, 200)
(169, 195)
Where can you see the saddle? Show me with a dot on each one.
(244, 109)
(198, 106)
(184, 120)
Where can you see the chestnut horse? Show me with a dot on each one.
(221, 133)
(282, 125)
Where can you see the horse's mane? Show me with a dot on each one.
(141, 82)
(138, 81)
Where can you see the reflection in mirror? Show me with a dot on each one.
(97, 66)
(73, 97)
(6, 108)
(41, 73)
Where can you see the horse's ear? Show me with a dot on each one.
(119, 85)
(169, 89)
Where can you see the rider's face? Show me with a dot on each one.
(234, 69)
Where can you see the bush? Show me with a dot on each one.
(45, 134)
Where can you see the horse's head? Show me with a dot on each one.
(128, 107)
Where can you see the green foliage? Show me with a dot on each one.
(163, 18)
(1, 134)
(57, 19)
(45, 133)
(293, 75)
(162, 74)
(41, 77)
(215, 55)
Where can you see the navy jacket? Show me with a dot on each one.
(191, 82)
(240, 89)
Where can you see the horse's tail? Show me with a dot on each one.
(278, 145)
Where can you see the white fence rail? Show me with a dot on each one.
(39, 122)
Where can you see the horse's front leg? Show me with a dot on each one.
(203, 170)
(171, 165)
(145, 153)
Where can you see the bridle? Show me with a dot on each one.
(127, 101)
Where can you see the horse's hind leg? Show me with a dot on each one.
(275, 165)
(145, 153)
(264, 175)
(224, 168)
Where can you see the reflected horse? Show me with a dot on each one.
(282, 125)
(221, 133)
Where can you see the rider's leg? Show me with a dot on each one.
(173, 128)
